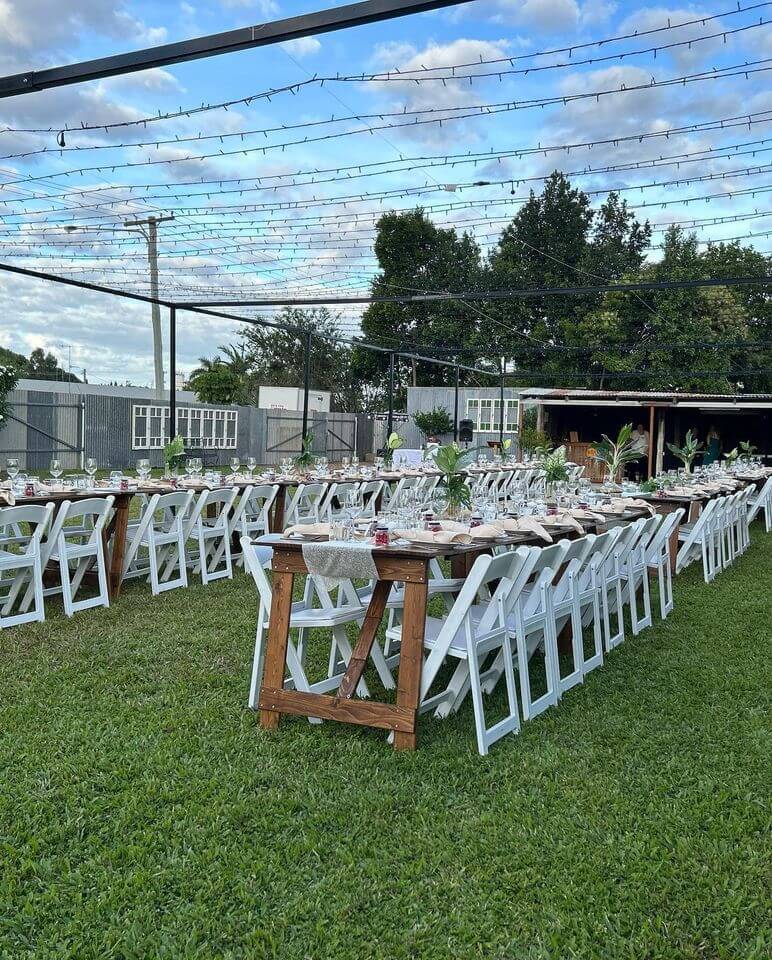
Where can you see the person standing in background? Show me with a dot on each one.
(713, 446)
(640, 440)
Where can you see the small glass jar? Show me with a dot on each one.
(381, 535)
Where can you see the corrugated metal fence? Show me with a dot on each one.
(72, 427)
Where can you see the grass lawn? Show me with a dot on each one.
(144, 815)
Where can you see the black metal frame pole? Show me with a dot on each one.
(306, 383)
(390, 426)
(243, 38)
(501, 401)
(455, 407)
(172, 372)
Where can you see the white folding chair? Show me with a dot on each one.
(658, 558)
(333, 505)
(251, 516)
(305, 504)
(82, 545)
(761, 500)
(20, 561)
(611, 578)
(161, 533)
(635, 574)
(372, 492)
(305, 617)
(699, 539)
(207, 523)
(471, 635)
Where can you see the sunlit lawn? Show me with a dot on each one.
(144, 815)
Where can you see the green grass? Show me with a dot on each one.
(143, 814)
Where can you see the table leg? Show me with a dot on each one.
(118, 529)
(411, 658)
(277, 514)
(276, 645)
(364, 644)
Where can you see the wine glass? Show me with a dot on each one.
(56, 469)
(251, 464)
(12, 467)
(143, 469)
(91, 468)
(235, 464)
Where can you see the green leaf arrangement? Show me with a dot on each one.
(451, 461)
(304, 460)
(688, 451)
(616, 453)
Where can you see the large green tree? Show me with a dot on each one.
(416, 256)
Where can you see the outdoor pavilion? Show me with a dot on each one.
(580, 417)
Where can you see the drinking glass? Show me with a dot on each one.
(12, 467)
(115, 478)
(143, 469)
(235, 464)
(251, 464)
(56, 469)
(378, 464)
(91, 468)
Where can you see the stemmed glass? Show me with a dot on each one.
(56, 469)
(251, 464)
(12, 467)
(235, 464)
(91, 468)
(143, 469)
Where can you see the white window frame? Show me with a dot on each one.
(217, 428)
(492, 406)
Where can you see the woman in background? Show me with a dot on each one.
(713, 448)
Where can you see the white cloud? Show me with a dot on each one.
(303, 46)
(267, 8)
(595, 12)
(548, 16)
(652, 18)
(435, 94)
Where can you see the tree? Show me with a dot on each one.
(217, 384)
(414, 255)
(277, 357)
(45, 366)
(434, 422)
(8, 379)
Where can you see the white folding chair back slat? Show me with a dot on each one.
(20, 563)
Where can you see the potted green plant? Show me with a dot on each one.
(453, 489)
(747, 450)
(649, 486)
(174, 455)
(434, 422)
(615, 454)
(394, 442)
(555, 469)
(305, 459)
(688, 451)
(732, 456)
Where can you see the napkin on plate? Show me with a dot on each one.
(433, 536)
(644, 504)
(525, 525)
(308, 530)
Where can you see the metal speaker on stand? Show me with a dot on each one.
(466, 431)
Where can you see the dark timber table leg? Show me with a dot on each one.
(411, 659)
(117, 530)
(276, 646)
(277, 514)
(364, 644)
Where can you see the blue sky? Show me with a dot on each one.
(293, 250)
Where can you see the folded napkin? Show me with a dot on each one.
(580, 514)
(615, 509)
(434, 536)
(7, 496)
(309, 529)
(335, 561)
(643, 504)
(486, 531)
(568, 520)
(525, 525)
